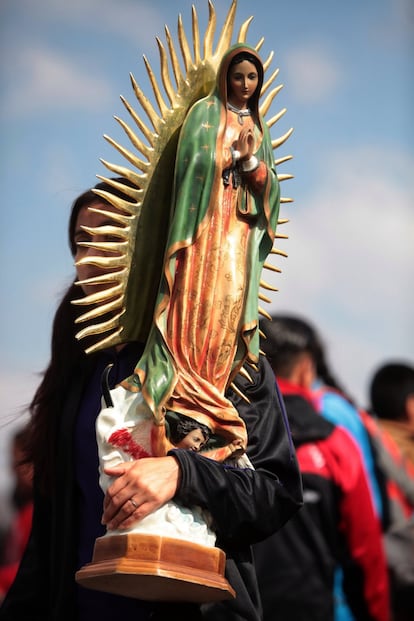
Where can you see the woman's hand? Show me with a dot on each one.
(245, 143)
(141, 487)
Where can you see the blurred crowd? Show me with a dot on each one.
(15, 534)
(348, 554)
(350, 549)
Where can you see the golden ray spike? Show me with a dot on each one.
(119, 247)
(102, 278)
(135, 140)
(282, 160)
(244, 373)
(112, 294)
(148, 134)
(264, 107)
(239, 392)
(210, 31)
(261, 350)
(268, 61)
(196, 35)
(156, 89)
(269, 287)
(109, 341)
(283, 221)
(241, 37)
(178, 76)
(132, 158)
(252, 365)
(104, 262)
(276, 118)
(226, 34)
(272, 268)
(285, 177)
(146, 104)
(125, 221)
(122, 171)
(108, 229)
(262, 335)
(278, 251)
(185, 48)
(264, 313)
(279, 141)
(258, 46)
(99, 328)
(269, 82)
(134, 193)
(264, 298)
(95, 313)
(285, 199)
(165, 76)
(281, 236)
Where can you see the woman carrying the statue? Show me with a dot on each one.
(212, 203)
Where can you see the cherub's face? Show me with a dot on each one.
(194, 440)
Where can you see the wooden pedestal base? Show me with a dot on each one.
(155, 568)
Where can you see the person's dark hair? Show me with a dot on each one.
(390, 386)
(287, 337)
(66, 354)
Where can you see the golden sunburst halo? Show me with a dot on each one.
(185, 74)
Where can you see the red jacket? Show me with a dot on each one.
(15, 546)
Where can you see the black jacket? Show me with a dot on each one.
(246, 506)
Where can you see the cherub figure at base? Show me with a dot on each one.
(187, 433)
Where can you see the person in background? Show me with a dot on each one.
(391, 423)
(333, 403)
(22, 499)
(246, 504)
(338, 526)
(392, 402)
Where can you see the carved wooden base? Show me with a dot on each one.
(155, 568)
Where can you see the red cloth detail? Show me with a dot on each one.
(123, 439)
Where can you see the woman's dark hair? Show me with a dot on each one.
(390, 386)
(66, 355)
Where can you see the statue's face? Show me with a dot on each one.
(242, 83)
(84, 269)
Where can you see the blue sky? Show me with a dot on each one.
(347, 72)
